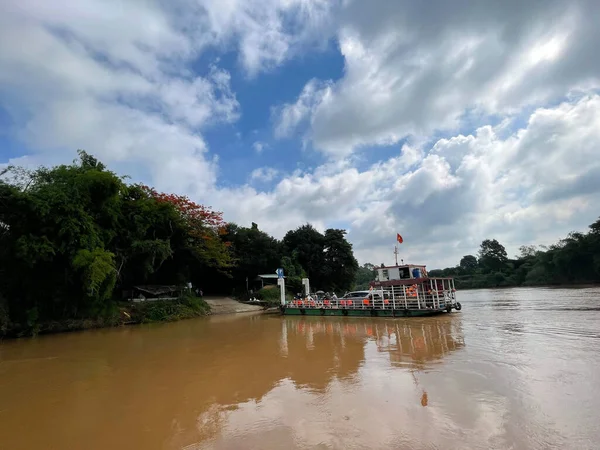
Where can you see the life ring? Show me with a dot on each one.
(458, 306)
(449, 308)
(411, 291)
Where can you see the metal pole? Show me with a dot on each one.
(281, 283)
(431, 293)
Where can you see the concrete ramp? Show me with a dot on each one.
(227, 305)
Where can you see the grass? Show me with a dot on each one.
(124, 313)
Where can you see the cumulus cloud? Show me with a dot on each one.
(259, 146)
(291, 115)
(114, 77)
(266, 32)
(411, 69)
(510, 87)
(530, 186)
(264, 174)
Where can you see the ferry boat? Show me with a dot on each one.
(397, 291)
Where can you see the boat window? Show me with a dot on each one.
(385, 274)
(404, 273)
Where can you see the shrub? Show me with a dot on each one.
(270, 295)
(184, 307)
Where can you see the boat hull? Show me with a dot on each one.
(367, 312)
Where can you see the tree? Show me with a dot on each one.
(492, 255)
(364, 275)
(595, 227)
(254, 252)
(468, 263)
(527, 251)
(72, 235)
(308, 244)
(56, 252)
(203, 227)
(293, 272)
(339, 266)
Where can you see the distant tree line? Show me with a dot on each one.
(74, 237)
(573, 260)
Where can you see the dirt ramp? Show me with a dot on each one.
(227, 305)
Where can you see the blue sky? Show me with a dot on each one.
(449, 124)
(237, 143)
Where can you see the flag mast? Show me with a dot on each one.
(400, 241)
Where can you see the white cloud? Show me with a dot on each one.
(532, 186)
(267, 32)
(91, 77)
(116, 79)
(259, 146)
(264, 174)
(411, 71)
(289, 116)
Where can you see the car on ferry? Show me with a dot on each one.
(365, 294)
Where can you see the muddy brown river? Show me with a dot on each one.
(515, 369)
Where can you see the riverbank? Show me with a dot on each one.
(128, 313)
(228, 305)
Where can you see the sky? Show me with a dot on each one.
(446, 122)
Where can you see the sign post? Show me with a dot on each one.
(281, 284)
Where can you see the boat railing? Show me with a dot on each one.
(426, 295)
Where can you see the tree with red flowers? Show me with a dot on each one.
(204, 227)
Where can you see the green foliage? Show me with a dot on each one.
(575, 259)
(4, 316)
(98, 272)
(293, 272)
(307, 244)
(186, 307)
(254, 251)
(364, 275)
(270, 294)
(74, 237)
(327, 259)
(340, 265)
(492, 255)
(468, 263)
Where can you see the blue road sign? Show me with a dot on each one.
(279, 273)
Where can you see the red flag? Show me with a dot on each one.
(399, 238)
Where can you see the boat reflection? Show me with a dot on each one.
(413, 343)
(332, 370)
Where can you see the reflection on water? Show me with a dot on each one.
(411, 343)
(500, 374)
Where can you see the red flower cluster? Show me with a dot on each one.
(205, 227)
(194, 213)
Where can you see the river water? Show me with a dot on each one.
(515, 369)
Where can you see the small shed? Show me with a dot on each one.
(267, 279)
(155, 292)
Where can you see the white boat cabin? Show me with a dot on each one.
(404, 272)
